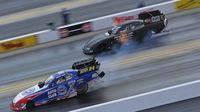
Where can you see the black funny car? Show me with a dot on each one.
(151, 21)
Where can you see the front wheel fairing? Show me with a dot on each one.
(92, 45)
(96, 40)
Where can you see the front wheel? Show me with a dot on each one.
(100, 48)
(30, 104)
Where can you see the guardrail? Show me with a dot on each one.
(149, 99)
(87, 26)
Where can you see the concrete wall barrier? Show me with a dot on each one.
(47, 36)
(18, 43)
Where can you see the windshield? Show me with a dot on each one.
(49, 80)
(115, 29)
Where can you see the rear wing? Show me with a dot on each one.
(151, 16)
(87, 65)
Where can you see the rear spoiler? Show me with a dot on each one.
(151, 16)
(86, 65)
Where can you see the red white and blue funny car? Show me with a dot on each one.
(61, 85)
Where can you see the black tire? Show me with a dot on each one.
(82, 89)
(110, 46)
(100, 48)
(30, 104)
(157, 31)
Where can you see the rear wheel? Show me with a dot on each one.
(157, 31)
(30, 104)
(82, 89)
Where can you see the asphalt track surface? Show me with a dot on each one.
(129, 72)
(77, 14)
(135, 80)
(13, 6)
(190, 105)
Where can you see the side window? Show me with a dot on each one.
(60, 80)
(116, 30)
(132, 26)
(122, 28)
(68, 76)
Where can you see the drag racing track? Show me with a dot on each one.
(171, 58)
(13, 6)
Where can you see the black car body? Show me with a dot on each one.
(152, 21)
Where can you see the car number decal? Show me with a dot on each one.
(61, 90)
(87, 69)
(52, 93)
(155, 18)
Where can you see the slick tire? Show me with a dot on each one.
(101, 48)
(82, 89)
(30, 104)
(157, 31)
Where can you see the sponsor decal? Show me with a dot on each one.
(75, 30)
(12, 45)
(52, 93)
(187, 4)
(120, 19)
(19, 43)
(87, 69)
(61, 90)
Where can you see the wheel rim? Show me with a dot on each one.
(30, 104)
(82, 89)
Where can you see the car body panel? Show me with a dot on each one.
(137, 29)
(61, 85)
